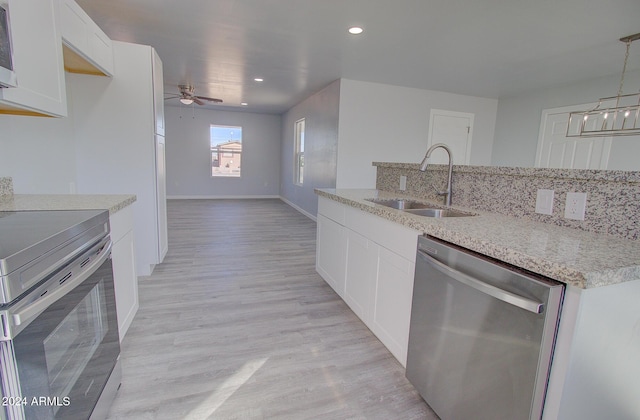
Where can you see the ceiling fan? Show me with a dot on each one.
(187, 96)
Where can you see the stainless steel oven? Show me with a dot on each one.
(59, 343)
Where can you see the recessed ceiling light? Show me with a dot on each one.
(244, 104)
(355, 30)
(259, 79)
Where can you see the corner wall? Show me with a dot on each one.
(320, 112)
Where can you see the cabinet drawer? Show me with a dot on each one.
(121, 222)
(391, 235)
(331, 210)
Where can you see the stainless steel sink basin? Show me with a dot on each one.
(439, 213)
(418, 208)
(400, 204)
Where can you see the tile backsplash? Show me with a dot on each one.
(6, 186)
(613, 197)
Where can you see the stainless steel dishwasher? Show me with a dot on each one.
(481, 335)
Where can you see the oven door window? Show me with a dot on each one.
(66, 355)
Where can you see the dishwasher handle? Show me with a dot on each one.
(488, 289)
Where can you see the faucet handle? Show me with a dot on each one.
(438, 191)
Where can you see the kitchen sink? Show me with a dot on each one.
(430, 212)
(400, 204)
(418, 208)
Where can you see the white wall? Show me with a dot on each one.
(518, 121)
(387, 123)
(39, 153)
(320, 112)
(188, 157)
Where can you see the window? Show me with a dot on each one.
(226, 150)
(299, 153)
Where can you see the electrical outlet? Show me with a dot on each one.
(403, 182)
(544, 202)
(575, 206)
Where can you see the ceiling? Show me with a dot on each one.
(487, 48)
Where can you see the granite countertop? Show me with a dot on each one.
(24, 202)
(578, 258)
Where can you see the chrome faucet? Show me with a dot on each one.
(423, 168)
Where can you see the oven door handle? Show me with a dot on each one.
(47, 300)
(488, 289)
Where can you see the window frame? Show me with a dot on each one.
(225, 155)
(298, 152)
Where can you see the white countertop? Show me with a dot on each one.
(575, 257)
(24, 202)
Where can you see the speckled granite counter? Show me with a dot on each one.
(579, 258)
(23, 202)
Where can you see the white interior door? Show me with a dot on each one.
(556, 150)
(454, 129)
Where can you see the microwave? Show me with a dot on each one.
(7, 74)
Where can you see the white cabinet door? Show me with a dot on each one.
(360, 279)
(161, 194)
(331, 253)
(124, 268)
(158, 93)
(38, 64)
(87, 49)
(392, 311)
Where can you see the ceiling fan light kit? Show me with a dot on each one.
(187, 96)
(614, 116)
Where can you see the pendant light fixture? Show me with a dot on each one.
(615, 116)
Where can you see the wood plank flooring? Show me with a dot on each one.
(236, 324)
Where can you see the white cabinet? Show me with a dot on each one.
(87, 49)
(370, 263)
(331, 253)
(392, 310)
(161, 198)
(360, 279)
(158, 94)
(37, 53)
(124, 269)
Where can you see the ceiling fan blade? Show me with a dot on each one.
(171, 97)
(196, 100)
(209, 99)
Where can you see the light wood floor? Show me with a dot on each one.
(236, 324)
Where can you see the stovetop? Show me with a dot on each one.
(29, 237)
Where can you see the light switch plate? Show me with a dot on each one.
(575, 206)
(544, 202)
(403, 182)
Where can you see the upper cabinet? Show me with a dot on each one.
(37, 55)
(158, 93)
(49, 37)
(86, 48)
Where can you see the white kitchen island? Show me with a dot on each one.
(595, 371)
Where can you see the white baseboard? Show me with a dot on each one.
(300, 209)
(219, 197)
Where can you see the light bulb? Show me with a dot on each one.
(186, 101)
